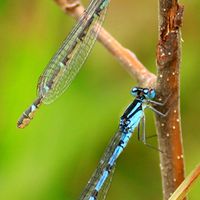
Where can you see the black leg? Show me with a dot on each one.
(144, 138)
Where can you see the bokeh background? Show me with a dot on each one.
(54, 157)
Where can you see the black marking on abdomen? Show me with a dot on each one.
(94, 194)
(83, 33)
(109, 168)
(121, 142)
(130, 108)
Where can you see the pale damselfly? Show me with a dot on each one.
(131, 119)
(66, 63)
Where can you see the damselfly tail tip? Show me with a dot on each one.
(28, 115)
(23, 122)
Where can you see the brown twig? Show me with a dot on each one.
(169, 127)
(186, 185)
(123, 55)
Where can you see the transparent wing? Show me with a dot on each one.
(90, 187)
(66, 63)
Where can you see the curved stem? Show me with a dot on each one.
(124, 56)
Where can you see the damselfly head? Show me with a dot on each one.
(146, 92)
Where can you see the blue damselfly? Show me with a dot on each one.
(128, 122)
(66, 63)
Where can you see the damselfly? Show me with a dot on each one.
(128, 122)
(68, 60)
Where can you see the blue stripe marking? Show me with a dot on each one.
(135, 120)
(115, 155)
(102, 180)
(134, 109)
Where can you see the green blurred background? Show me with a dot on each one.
(54, 157)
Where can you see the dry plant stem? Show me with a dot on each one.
(186, 185)
(123, 55)
(169, 127)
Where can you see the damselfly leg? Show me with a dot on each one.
(144, 137)
(158, 112)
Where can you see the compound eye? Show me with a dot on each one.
(146, 91)
(134, 91)
(152, 94)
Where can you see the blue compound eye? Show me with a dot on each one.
(145, 91)
(134, 91)
(151, 94)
